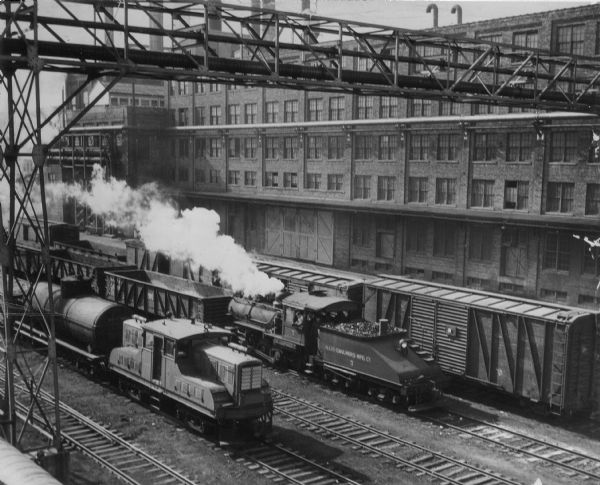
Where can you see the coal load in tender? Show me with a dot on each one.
(361, 328)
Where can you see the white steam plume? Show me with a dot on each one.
(192, 235)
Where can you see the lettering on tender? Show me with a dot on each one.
(347, 353)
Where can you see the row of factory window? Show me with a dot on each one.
(559, 195)
(318, 109)
(142, 101)
(440, 239)
(569, 39)
(564, 147)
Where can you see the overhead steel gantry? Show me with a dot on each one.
(206, 41)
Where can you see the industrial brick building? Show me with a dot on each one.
(466, 194)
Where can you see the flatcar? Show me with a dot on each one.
(312, 332)
(176, 364)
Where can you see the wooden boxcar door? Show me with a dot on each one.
(451, 337)
(422, 322)
(157, 358)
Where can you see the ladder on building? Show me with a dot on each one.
(559, 363)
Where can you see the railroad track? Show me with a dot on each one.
(281, 464)
(443, 468)
(136, 467)
(575, 464)
(107, 448)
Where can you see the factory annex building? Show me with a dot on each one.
(471, 195)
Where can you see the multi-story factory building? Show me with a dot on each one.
(472, 195)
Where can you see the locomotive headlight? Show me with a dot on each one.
(403, 345)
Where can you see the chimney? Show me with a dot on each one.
(214, 23)
(255, 25)
(270, 4)
(306, 10)
(156, 22)
(104, 18)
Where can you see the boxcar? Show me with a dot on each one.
(305, 277)
(535, 350)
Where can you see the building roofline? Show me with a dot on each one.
(592, 8)
(559, 115)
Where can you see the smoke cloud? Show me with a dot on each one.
(31, 203)
(190, 235)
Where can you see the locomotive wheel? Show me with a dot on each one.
(199, 425)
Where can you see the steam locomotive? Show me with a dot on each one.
(322, 335)
(177, 364)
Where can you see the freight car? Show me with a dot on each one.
(536, 351)
(317, 333)
(173, 363)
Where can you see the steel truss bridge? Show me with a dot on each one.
(207, 41)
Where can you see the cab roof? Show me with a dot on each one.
(230, 355)
(318, 303)
(182, 328)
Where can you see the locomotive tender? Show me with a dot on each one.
(316, 333)
(177, 363)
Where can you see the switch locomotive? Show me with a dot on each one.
(170, 363)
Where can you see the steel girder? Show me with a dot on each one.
(205, 40)
(20, 145)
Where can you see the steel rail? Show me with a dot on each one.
(443, 461)
(278, 465)
(550, 448)
(99, 443)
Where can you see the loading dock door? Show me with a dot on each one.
(273, 232)
(325, 237)
(300, 234)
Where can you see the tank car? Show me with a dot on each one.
(178, 363)
(87, 322)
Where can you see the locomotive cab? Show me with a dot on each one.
(288, 331)
(304, 313)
